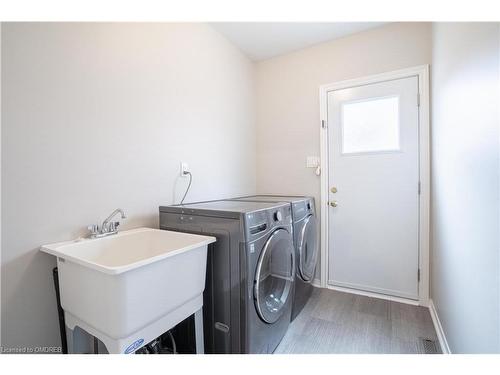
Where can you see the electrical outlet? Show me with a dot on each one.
(184, 169)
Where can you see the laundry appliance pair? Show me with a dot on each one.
(258, 271)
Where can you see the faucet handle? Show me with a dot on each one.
(113, 226)
(93, 228)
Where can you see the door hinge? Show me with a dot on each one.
(419, 187)
(418, 99)
(323, 124)
(418, 275)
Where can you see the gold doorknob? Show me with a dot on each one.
(333, 203)
(333, 190)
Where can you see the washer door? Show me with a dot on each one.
(274, 276)
(308, 248)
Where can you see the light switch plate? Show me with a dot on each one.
(312, 161)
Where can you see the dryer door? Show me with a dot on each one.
(274, 276)
(308, 248)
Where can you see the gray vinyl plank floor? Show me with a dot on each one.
(337, 322)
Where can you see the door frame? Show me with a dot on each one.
(422, 73)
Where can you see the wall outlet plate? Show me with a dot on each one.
(184, 169)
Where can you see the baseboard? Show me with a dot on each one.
(439, 328)
(316, 283)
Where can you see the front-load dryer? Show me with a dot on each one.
(250, 271)
(306, 242)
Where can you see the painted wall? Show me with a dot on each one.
(99, 116)
(465, 184)
(288, 97)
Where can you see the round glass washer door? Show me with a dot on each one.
(308, 248)
(274, 276)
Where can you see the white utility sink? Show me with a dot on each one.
(128, 288)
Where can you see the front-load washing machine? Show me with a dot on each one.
(250, 271)
(305, 234)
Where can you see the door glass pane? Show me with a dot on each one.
(274, 276)
(370, 125)
(308, 250)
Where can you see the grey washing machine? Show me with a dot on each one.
(305, 236)
(248, 295)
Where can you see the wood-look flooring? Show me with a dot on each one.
(337, 322)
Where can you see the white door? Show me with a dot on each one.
(373, 147)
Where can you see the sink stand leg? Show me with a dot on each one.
(198, 331)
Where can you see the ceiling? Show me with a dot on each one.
(263, 40)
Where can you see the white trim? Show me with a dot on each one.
(439, 329)
(323, 109)
(422, 72)
(316, 283)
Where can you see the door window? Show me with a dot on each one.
(370, 125)
(274, 276)
(308, 248)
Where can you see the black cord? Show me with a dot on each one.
(190, 180)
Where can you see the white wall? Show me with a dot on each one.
(99, 116)
(465, 185)
(288, 97)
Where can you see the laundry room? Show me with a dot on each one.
(250, 186)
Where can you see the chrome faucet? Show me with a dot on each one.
(107, 227)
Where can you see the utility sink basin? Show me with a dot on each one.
(128, 288)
